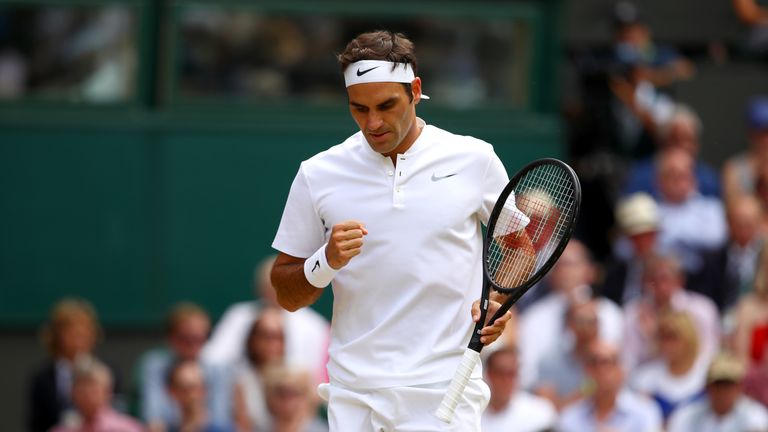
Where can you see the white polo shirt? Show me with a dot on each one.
(401, 311)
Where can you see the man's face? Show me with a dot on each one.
(189, 336)
(723, 395)
(501, 375)
(90, 395)
(188, 385)
(572, 270)
(385, 114)
(604, 367)
(662, 282)
(676, 176)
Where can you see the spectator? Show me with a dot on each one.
(542, 326)
(307, 332)
(91, 397)
(290, 401)
(756, 379)
(663, 281)
(754, 14)
(638, 220)
(187, 387)
(682, 130)
(70, 334)
(751, 318)
(642, 73)
(729, 271)
(265, 345)
(187, 329)
(633, 38)
(610, 405)
(741, 170)
(725, 408)
(691, 224)
(677, 376)
(511, 408)
(561, 376)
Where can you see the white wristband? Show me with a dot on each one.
(317, 270)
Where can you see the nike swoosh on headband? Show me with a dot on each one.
(361, 73)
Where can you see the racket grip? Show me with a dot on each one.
(458, 384)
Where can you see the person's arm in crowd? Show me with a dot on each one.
(750, 12)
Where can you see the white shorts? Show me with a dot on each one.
(402, 409)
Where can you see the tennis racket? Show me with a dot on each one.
(546, 194)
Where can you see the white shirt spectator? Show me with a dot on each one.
(746, 416)
(688, 228)
(670, 391)
(524, 413)
(306, 337)
(542, 329)
(633, 413)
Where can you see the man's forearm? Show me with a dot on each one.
(293, 290)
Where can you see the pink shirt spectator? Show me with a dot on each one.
(108, 420)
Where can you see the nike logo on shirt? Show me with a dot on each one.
(437, 178)
(361, 73)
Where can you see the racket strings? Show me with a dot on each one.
(546, 195)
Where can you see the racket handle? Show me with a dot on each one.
(458, 384)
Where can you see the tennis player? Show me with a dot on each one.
(392, 219)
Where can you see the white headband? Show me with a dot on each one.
(368, 71)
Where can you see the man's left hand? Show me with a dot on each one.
(490, 332)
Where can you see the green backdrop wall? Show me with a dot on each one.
(137, 210)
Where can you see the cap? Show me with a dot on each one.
(638, 213)
(725, 367)
(757, 113)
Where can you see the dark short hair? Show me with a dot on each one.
(380, 45)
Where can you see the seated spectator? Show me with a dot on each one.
(725, 408)
(265, 346)
(643, 70)
(677, 376)
(307, 332)
(187, 329)
(511, 408)
(751, 318)
(691, 224)
(730, 270)
(756, 379)
(663, 281)
(542, 325)
(741, 170)
(70, 334)
(754, 13)
(682, 130)
(187, 387)
(637, 216)
(561, 377)
(609, 406)
(633, 36)
(91, 397)
(289, 393)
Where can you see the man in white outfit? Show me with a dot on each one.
(392, 219)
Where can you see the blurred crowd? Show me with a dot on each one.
(654, 318)
(256, 370)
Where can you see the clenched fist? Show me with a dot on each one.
(345, 243)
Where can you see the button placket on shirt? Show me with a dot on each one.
(398, 185)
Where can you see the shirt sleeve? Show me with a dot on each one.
(494, 180)
(301, 231)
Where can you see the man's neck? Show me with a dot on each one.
(604, 405)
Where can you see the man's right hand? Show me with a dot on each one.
(345, 243)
